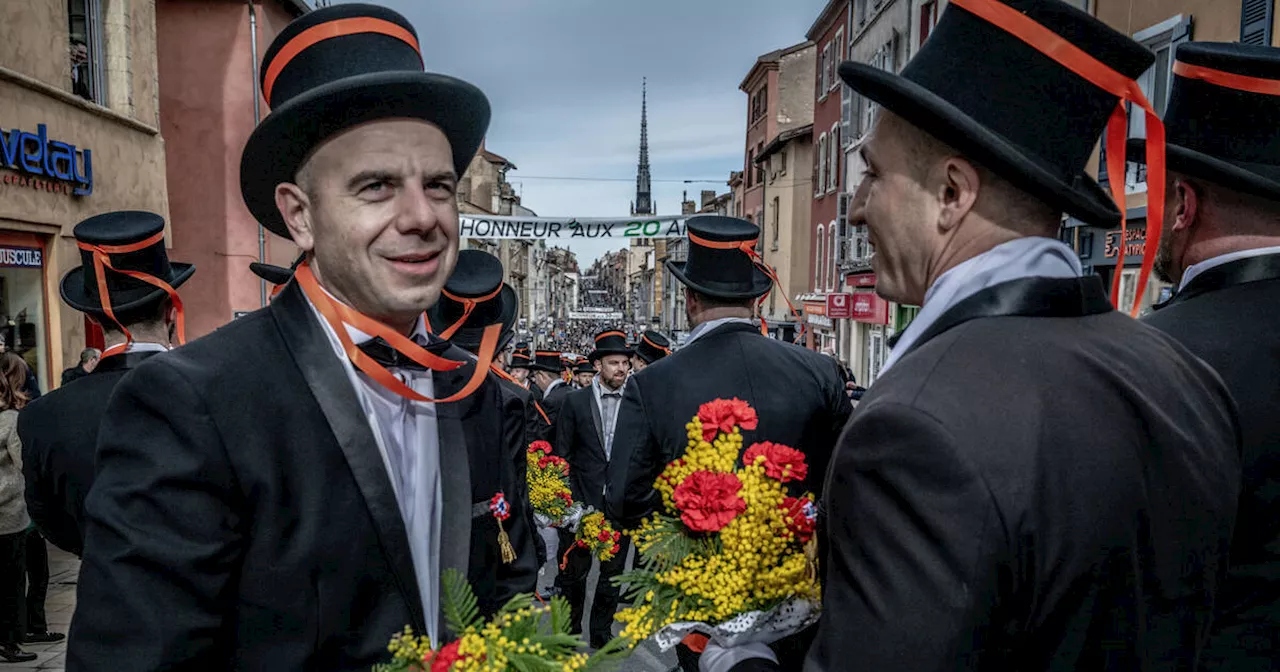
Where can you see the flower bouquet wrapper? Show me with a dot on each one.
(764, 627)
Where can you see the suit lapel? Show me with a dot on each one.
(455, 468)
(1239, 272)
(595, 415)
(329, 384)
(1026, 297)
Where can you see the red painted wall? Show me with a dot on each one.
(206, 115)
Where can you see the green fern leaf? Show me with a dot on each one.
(459, 601)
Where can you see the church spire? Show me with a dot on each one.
(644, 196)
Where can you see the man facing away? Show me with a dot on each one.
(585, 434)
(59, 431)
(1221, 248)
(88, 359)
(287, 492)
(1074, 510)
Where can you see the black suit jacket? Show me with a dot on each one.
(797, 393)
(59, 433)
(550, 404)
(1228, 317)
(1041, 483)
(242, 517)
(580, 441)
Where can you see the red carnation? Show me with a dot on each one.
(604, 536)
(543, 462)
(616, 548)
(802, 516)
(782, 463)
(540, 447)
(445, 657)
(565, 496)
(722, 415)
(709, 500)
(617, 535)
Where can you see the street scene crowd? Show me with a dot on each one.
(356, 476)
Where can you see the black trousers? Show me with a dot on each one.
(13, 581)
(572, 581)
(37, 561)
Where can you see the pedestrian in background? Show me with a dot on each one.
(88, 361)
(14, 525)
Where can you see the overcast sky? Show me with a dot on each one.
(564, 76)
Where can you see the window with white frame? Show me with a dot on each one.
(822, 157)
(885, 59)
(818, 257)
(84, 24)
(823, 72)
(839, 57)
(831, 256)
(1162, 39)
(833, 146)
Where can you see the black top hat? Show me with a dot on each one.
(79, 286)
(476, 280)
(276, 275)
(716, 266)
(610, 342)
(342, 66)
(521, 358)
(1215, 127)
(652, 346)
(1009, 107)
(547, 360)
(585, 366)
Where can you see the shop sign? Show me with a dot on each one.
(36, 156)
(870, 308)
(821, 321)
(1135, 240)
(861, 280)
(815, 308)
(839, 306)
(21, 257)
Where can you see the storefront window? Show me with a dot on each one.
(22, 305)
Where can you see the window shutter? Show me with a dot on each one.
(1255, 22)
(846, 115)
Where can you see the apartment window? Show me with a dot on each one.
(860, 11)
(1162, 39)
(928, 19)
(819, 256)
(885, 59)
(1255, 22)
(777, 207)
(831, 257)
(759, 164)
(760, 104)
(820, 175)
(824, 72)
(751, 162)
(85, 45)
(839, 57)
(833, 170)
(782, 162)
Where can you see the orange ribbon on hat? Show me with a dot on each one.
(1073, 58)
(1227, 80)
(102, 261)
(468, 305)
(339, 316)
(655, 346)
(749, 248)
(328, 30)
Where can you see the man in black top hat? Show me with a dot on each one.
(585, 434)
(59, 431)
(1073, 510)
(288, 491)
(1221, 248)
(651, 347)
(583, 373)
(548, 372)
(520, 368)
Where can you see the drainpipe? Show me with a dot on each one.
(257, 117)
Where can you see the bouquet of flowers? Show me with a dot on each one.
(597, 536)
(548, 478)
(731, 555)
(519, 637)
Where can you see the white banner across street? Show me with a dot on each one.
(569, 228)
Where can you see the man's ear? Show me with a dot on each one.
(295, 208)
(957, 190)
(1186, 202)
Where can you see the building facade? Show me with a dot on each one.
(208, 54)
(81, 135)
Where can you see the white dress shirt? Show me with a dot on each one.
(408, 438)
(1019, 258)
(1196, 269)
(707, 327)
(141, 346)
(608, 401)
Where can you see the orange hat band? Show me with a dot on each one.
(328, 30)
(1227, 80)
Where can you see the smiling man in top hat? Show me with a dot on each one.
(59, 431)
(1073, 510)
(651, 347)
(1221, 248)
(584, 438)
(288, 491)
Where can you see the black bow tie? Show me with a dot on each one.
(381, 352)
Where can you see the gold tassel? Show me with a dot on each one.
(504, 542)
(811, 556)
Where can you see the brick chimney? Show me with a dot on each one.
(708, 195)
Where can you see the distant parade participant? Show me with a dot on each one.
(1035, 481)
(548, 374)
(1221, 248)
(583, 373)
(651, 347)
(584, 438)
(59, 431)
(288, 491)
(797, 393)
(520, 368)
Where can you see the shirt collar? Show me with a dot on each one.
(600, 390)
(1196, 269)
(707, 327)
(143, 346)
